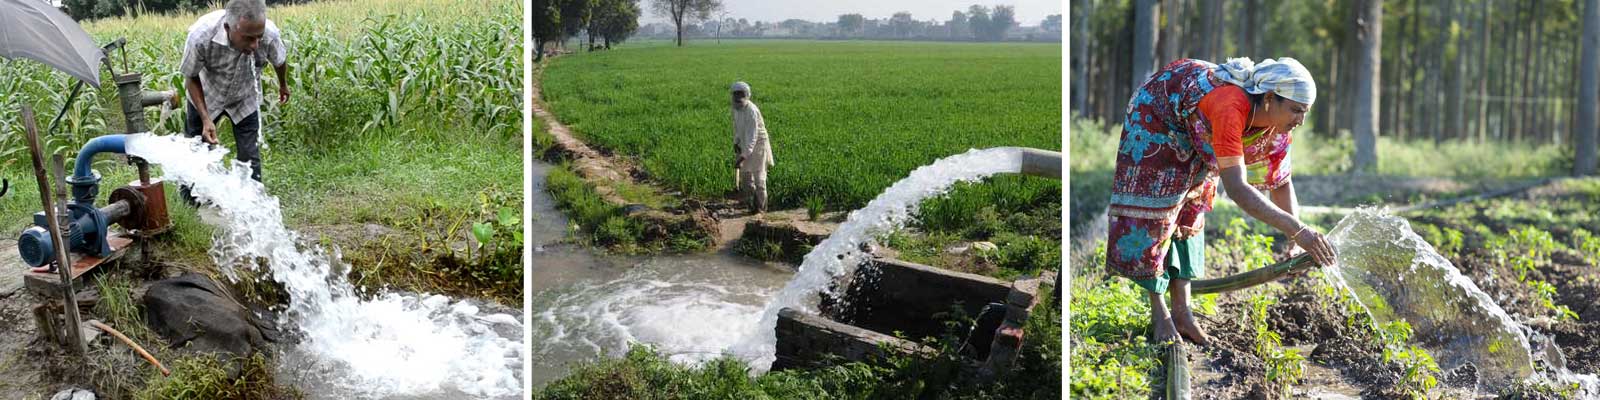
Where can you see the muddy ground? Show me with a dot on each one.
(1339, 359)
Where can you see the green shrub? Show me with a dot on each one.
(1110, 318)
(1588, 244)
(1419, 370)
(814, 208)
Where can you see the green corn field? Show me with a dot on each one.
(391, 77)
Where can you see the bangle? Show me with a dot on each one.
(1298, 232)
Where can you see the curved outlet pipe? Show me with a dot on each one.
(103, 144)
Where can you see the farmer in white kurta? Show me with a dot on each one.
(752, 153)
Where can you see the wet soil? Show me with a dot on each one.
(1229, 368)
(1345, 357)
(1576, 280)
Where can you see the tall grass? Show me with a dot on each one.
(1021, 215)
(1093, 159)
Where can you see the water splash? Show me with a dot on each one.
(394, 345)
(839, 254)
(1395, 274)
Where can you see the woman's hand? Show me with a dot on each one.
(1291, 252)
(1315, 243)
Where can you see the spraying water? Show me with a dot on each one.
(394, 345)
(839, 254)
(1395, 274)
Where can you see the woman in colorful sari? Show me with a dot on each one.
(1191, 125)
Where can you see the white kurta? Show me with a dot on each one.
(750, 142)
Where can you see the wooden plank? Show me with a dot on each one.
(46, 283)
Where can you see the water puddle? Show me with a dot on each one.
(1324, 383)
(395, 345)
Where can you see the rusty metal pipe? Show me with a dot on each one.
(130, 89)
(117, 211)
(152, 98)
(144, 171)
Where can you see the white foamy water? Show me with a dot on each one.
(839, 254)
(1398, 275)
(394, 345)
(690, 308)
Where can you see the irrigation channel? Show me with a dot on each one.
(699, 307)
(393, 345)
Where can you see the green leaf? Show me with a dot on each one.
(508, 217)
(483, 231)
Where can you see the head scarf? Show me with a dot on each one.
(1283, 76)
(741, 87)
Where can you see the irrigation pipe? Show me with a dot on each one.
(147, 357)
(1254, 277)
(1177, 371)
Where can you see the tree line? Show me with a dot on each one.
(554, 21)
(978, 22)
(899, 26)
(609, 21)
(1436, 70)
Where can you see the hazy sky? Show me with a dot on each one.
(1029, 12)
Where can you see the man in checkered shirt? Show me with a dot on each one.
(222, 62)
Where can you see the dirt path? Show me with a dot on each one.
(23, 378)
(586, 161)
